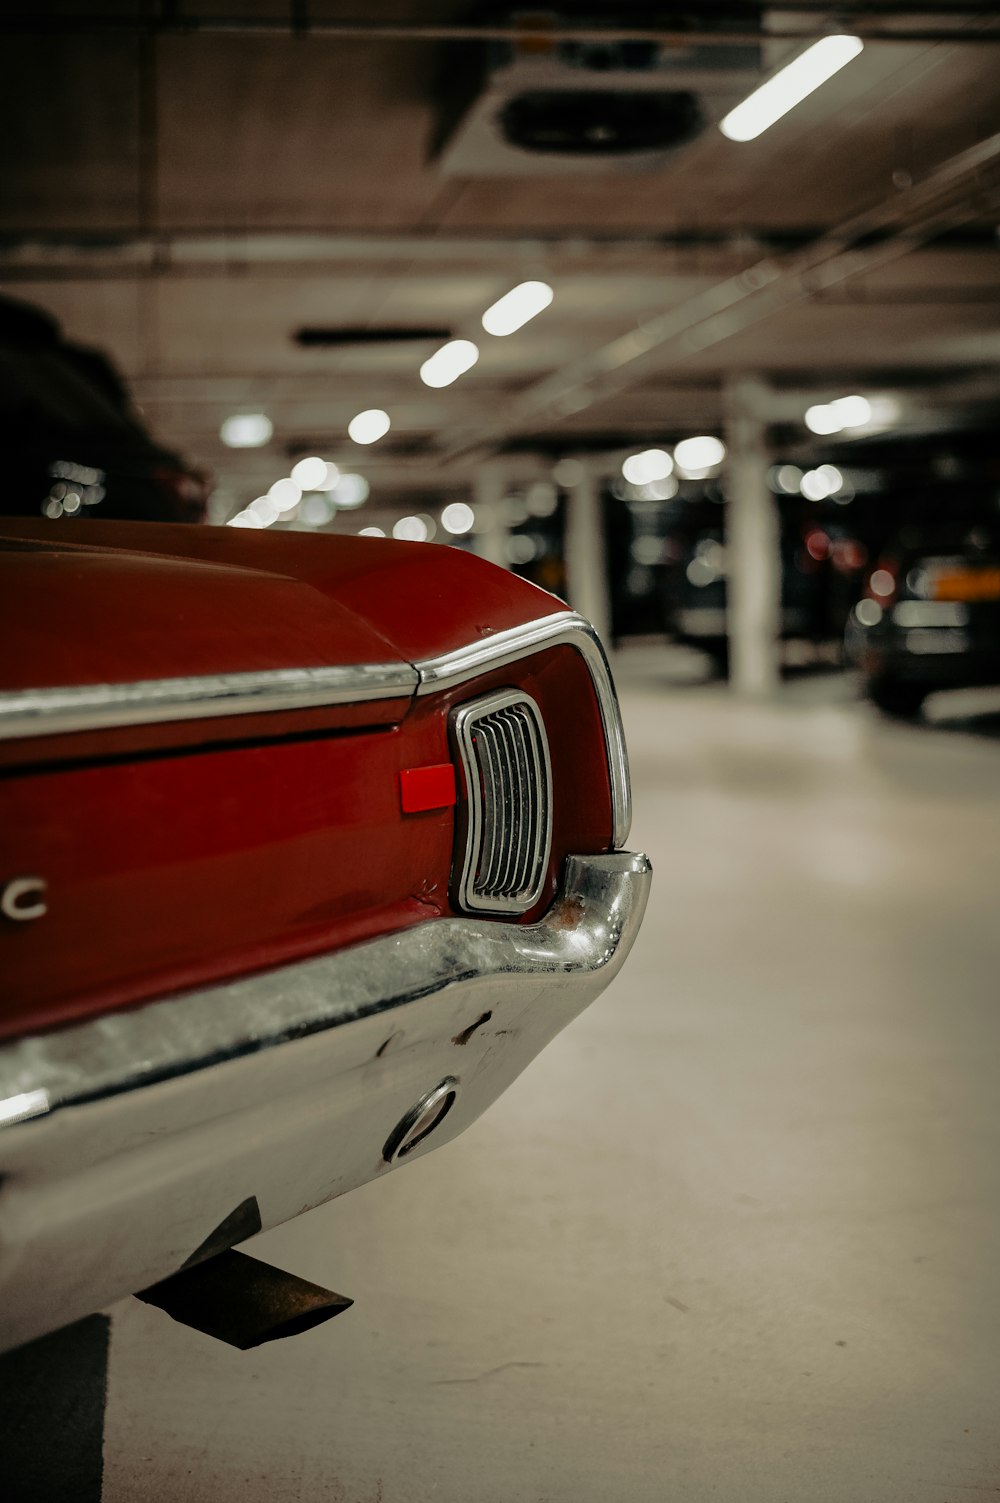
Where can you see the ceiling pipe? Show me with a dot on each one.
(883, 24)
(961, 189)
(63, 255)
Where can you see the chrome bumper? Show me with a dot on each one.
(148, 1127)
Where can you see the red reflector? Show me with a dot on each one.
(422, 788)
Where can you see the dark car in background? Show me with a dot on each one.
(821, 562)
(73, 442)
(929, 617)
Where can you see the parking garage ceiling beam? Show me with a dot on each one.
(789, 23)
(962, 189)
(55, 255)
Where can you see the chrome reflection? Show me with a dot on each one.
(562, 627)
(588, 930)
(421, 1120)
(47, 712)
(22, 1106)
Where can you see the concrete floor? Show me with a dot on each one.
(735, 1235)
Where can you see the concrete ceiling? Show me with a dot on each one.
(190, 200)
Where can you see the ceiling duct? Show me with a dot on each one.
(340, 336)
(548, 103)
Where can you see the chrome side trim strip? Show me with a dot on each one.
(48, 712)
(562, 627)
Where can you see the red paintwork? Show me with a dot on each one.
(309, 600)
(179, 855)
(423, 788)
(168, 871)
(105, 615)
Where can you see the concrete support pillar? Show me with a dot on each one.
(753, 543)
(488, 499)
(586, 564)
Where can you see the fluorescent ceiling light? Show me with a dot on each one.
(813, 486)
(541, 499)
(834, 417)
(449, 362)
(696, 456)
(284, 494)
(650, 465)
(369, 426)
(821, 418)
(316, 511)
(265, 509)
(351, 491)
(521, 549)
(310, 473)
(789, 87)
(457, 517)
(567, 473)
(788, 478)
(816, 485)
(853, 412)
(659, 490)
(410, 530)
(516, 307)
(246, 430)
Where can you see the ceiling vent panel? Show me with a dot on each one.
(558, 106)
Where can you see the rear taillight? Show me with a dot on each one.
(505, 836)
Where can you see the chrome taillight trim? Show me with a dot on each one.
(562, 627)
(505, 832)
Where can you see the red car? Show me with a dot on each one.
(309, 845)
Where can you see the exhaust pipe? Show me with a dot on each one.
(242, 1301)
(239, 1299)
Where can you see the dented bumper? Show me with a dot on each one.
(141, 1131)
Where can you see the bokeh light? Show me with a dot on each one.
(246, 430)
